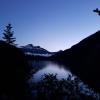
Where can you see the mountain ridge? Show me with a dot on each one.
(84, 59)
(30, 49)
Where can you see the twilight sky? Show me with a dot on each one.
(52, 24)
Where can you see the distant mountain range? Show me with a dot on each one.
(30, 49)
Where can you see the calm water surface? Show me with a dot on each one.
(49, 67)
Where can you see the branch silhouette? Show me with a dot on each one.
(97, 11)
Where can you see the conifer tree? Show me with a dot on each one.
(8, 35)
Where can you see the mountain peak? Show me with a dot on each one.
(35, 50)
(30, 46)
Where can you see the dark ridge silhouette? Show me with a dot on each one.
(84, 60)
(14, 74)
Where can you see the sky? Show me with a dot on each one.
(52, 24)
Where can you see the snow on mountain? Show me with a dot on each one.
(35, 50)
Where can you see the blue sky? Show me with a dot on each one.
(53, 24)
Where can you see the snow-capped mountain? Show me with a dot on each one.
(30, 49)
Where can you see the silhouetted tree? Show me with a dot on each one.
(97, 11)
(8, 35)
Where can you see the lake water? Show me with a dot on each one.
(49, 67)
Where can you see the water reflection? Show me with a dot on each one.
(48, 67)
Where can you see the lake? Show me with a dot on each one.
(49, 67)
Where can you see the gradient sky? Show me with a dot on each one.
(52, 24)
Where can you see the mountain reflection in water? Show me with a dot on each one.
(49, 67)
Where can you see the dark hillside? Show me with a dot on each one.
(14, 73)
(84, 60)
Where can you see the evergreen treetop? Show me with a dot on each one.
(8, 35)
